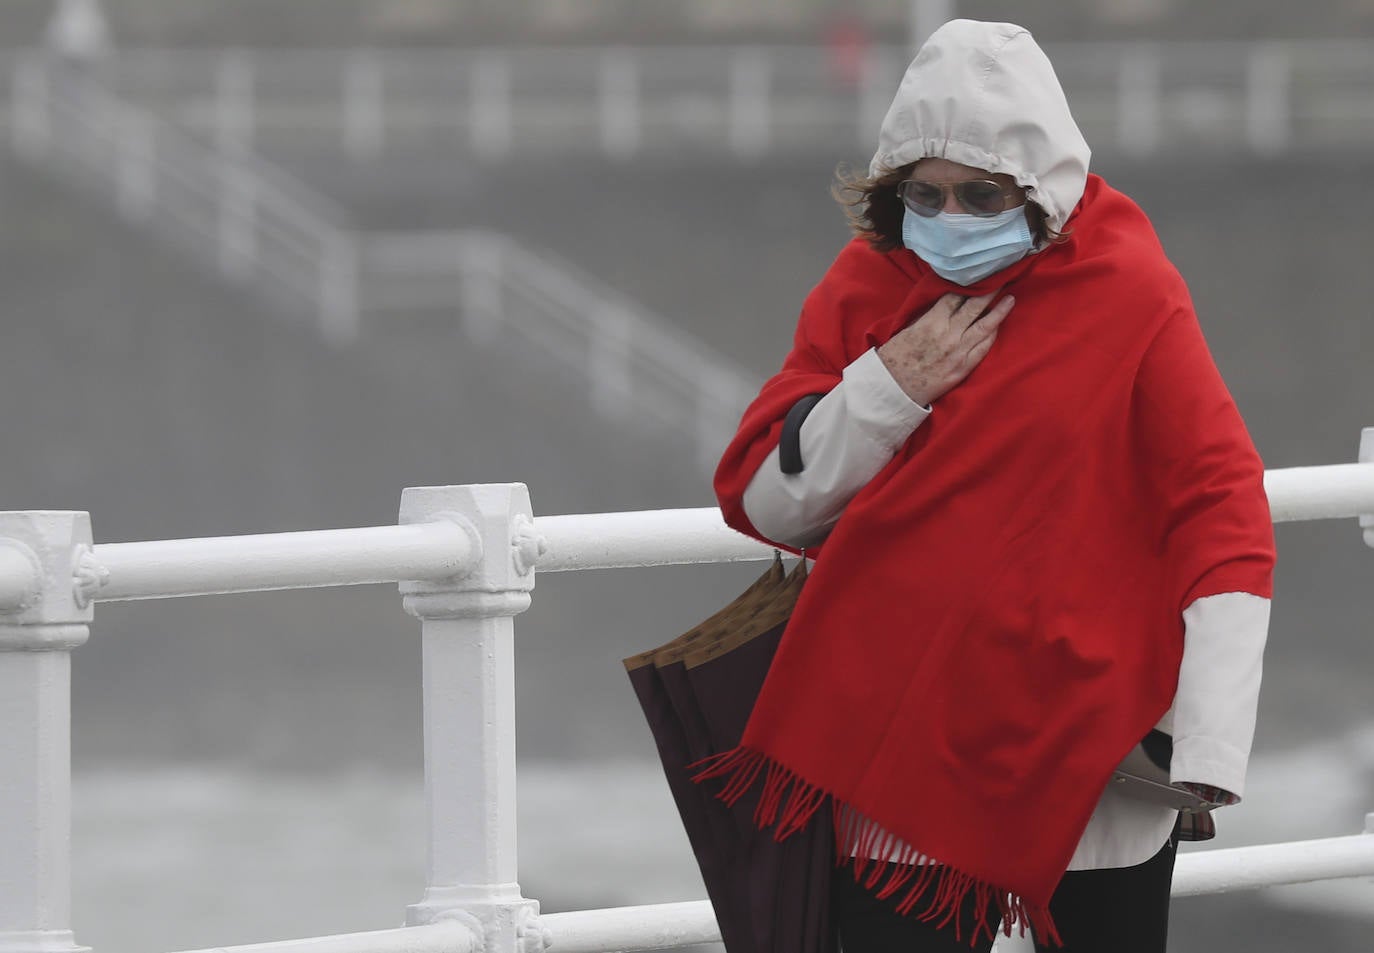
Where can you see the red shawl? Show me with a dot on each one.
(995, 620)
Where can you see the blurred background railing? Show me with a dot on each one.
(213, 198)
(746, 102)
(259, 227)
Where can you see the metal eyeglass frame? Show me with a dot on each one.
(957, 189)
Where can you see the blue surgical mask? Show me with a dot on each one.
(966, 248)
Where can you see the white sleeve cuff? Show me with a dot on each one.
(851, 434)
(1218, 689)
(877, 403)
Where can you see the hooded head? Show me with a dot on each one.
(985, 95)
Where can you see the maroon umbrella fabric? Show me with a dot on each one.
(697, 692)
(707, 826)
(678, 743)
(788, 880)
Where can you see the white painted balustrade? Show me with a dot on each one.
(465, 558)
(623, 103)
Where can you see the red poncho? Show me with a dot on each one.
(995, 620)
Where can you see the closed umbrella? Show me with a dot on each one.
(706, 825)
(697, 692)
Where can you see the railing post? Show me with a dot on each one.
(1137, 100)
(235, 109)
(1267, 109)
(608, 362)
(926, 17)
(467, 632)
(749, 102)
(364, 111)
(1367, 456)
(45, 612)
(619, 91)
(238, 228)
(719, 404)
(29, 106)
(339, 316)
(876, 89)
(137, 182)
(490, 106)
(480, 309)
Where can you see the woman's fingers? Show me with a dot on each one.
(992, 320)
(999, 311)
(978, 352)
(984, 333)
(936, 351)
(972, 309)
(946, 307)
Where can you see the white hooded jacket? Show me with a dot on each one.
(985, 95)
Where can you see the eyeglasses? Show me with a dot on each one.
(981, 197)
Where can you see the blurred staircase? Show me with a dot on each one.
(264, 231)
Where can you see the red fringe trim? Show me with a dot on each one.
(788, 802)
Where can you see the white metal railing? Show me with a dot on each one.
(1133, 98)
(261, 228)
(466, 559)
(448, 936)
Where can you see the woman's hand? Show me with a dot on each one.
(932, 354)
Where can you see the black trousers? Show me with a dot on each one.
(1117, 910)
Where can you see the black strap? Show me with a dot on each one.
(789, 444)
(1159, 748)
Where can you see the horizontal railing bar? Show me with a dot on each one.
(672, 925)
(687, 536)
(341, 557)
(1318, 493)
(643, 538)
(190, 567)
(660, 926)
(442, 937)
(1271, 865)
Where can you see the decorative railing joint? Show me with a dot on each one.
(89, 575)
(40, 608)
(527, 544)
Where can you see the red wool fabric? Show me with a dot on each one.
(996, 619)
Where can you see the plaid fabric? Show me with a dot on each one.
(1200, 825)
(1197, 826)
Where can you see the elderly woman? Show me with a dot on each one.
(1038, 523)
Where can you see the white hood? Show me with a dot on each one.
(985, 95)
